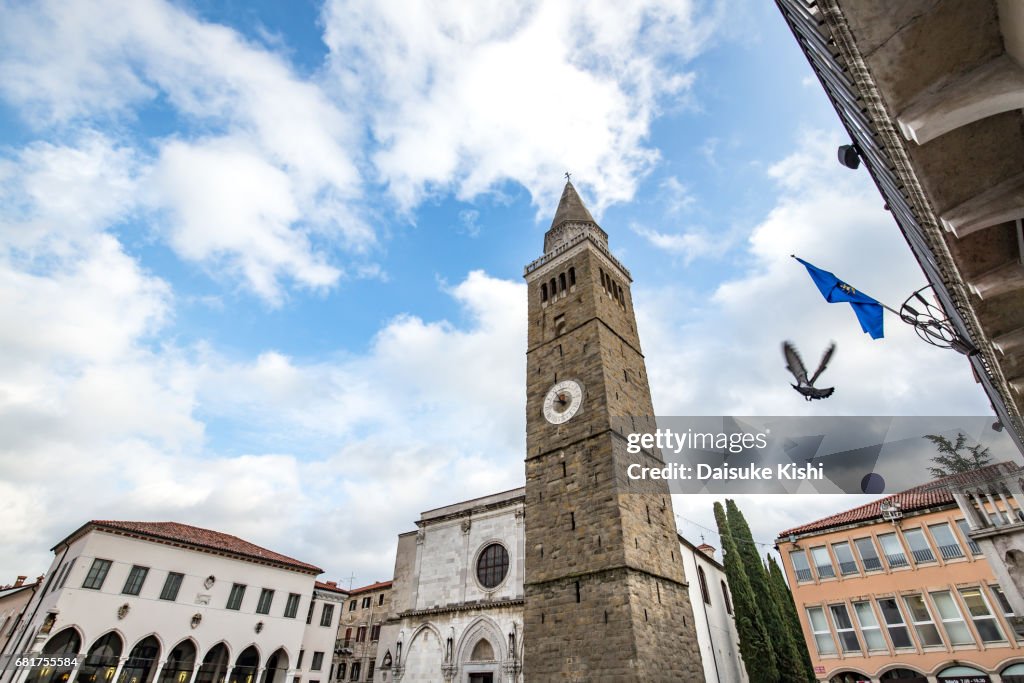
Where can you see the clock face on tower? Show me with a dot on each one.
(563, 401)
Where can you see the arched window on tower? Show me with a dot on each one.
(544, 291)
(572, 277)
(561, 282)
(703, 580)
(553, 286)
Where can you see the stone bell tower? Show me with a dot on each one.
(606, 599)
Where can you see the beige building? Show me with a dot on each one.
(355, 652)
(897, 590)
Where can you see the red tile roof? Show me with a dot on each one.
(197, 537)
(930, 494)
(330, 586)
(371, 587)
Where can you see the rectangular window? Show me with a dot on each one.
(367, 601)
(945, 541)
(326, 615)
(298, 664)
(97, 574)
(309, 614)
(984, 621)
(291, 608)
(355, 671)
(822, 636)
(265, 601)
(64, 579)
(844, 628)
(965, 529)
(800, 566)
(893, 551)
(898, 633)
(235, 598)
(869, 627)
(844, 556)
(868, 554)
(927, 633)
(172, 584)
(380, 599)
(375, 632)
(348, 637)
(918, 546)
(361, 634)
(318, 661)
(341, 671)
(822, 562)
(352, 605)
(369, 670)
(136, 577)
(952, 620)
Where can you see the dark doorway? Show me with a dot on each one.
(141, 662)
(481, 678)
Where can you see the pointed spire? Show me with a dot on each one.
(570, 207)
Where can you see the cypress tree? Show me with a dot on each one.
(787, 661)
(784, 598)
(755, 645)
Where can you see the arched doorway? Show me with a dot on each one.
(277, 667)
(101, 662)
(246, 666)
(65, 644)
(142, 661)
(214, 666)
(850, 677)
(903, 676)
(1013, 674)
(960, 673)
(180, 662)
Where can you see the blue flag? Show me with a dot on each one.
(868, 310)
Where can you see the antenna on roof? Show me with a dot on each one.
(892, 512)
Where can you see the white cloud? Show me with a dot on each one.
(265, 135)
(464, 96)
(687, 245)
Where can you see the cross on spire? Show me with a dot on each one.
(568, 176)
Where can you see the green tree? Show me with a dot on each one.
(755, 645)
(784, 598)
(787, 660)
(954, 458)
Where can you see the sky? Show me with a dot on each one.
(261, 263)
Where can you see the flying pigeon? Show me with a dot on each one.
(795, 365)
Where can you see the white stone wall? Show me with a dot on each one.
(716, 630)
(445, 568)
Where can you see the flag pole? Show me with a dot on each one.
(888, 308)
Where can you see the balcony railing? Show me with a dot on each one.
(899, 560)
(848, 568)
(950, 552)
(871, 563)
(923, 555)
(803, 575)
(825, 571)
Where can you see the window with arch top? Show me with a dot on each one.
(492, 565)
(703, 581)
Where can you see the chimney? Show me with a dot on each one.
(332, 584)
(707, 549)
(20, 581)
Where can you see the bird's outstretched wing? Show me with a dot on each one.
(793, 362)
(824, 361)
